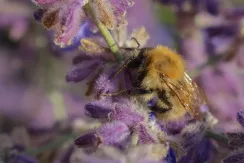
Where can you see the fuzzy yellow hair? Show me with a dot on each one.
(163, 60)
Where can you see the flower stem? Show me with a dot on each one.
(106, 34)
(110, 41)
(216, 136)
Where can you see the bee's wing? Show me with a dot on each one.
(189, 94)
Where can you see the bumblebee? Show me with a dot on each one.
(160, 79)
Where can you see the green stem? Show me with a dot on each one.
(110, 41)
(216, 136)
(106, 34)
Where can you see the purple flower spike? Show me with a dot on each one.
(144, 136)
(240, 117)
(126, 115)
(114, 133)
(99, 109)
(235, 157)
(80, 72)
(88, 140)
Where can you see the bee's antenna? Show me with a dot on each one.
(138, 44)
(129, 60)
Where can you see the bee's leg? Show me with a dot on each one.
(131, 92)
(138, 44)
(122, 67)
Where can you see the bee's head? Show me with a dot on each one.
(162, 60)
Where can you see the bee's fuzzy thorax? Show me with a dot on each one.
(162, 60)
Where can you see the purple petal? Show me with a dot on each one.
(121, 6)
(103, 84)
(80, 58)
(143, 134)
(174, 128)
(83, 32)
(99, 109)
(114, 133)
(126, 115)
(88, 140)
(240, 117)
(69, 25)
(81, 72)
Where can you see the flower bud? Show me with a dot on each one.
(99, 109)
(88, 140)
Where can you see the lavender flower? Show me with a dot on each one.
(123, 118)
(65, 17)
(99, 109)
